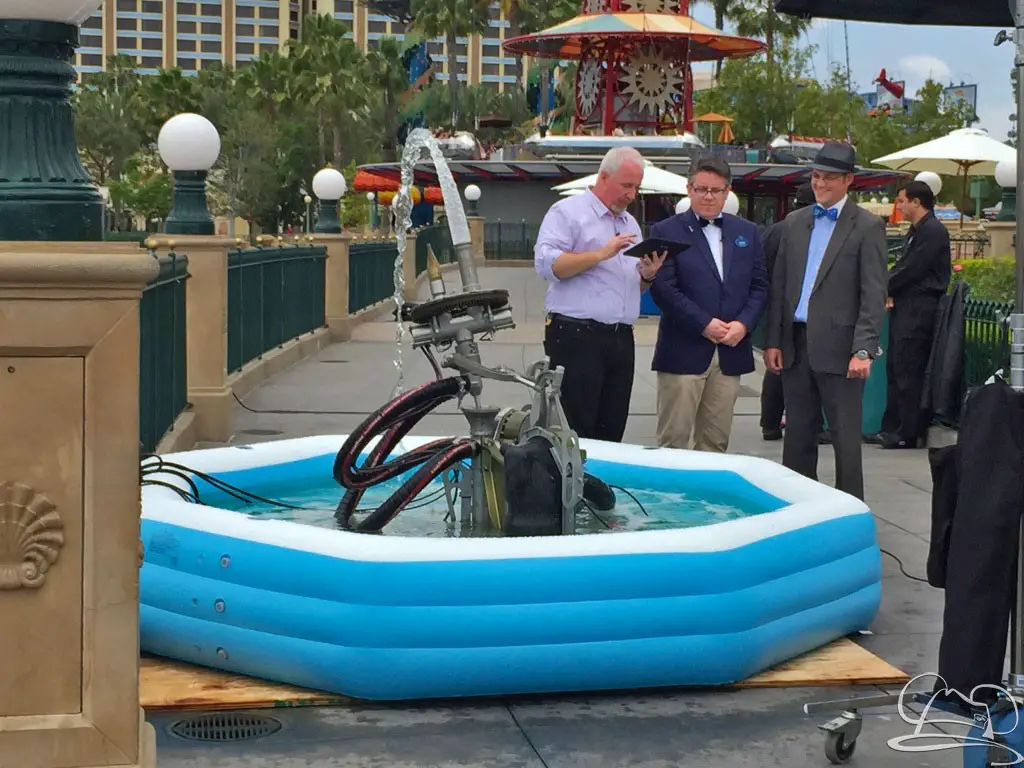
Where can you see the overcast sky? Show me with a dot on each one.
(914, 53)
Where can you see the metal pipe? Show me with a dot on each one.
(467, 267)
(1016, 676)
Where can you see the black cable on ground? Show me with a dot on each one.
(902, 569)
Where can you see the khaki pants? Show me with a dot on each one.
(700, 406)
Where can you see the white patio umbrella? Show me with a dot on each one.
(657, 181)
(964, 152)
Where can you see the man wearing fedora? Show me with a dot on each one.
(825, 312)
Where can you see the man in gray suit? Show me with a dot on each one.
(825, 313)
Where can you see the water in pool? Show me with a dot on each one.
(668, 499)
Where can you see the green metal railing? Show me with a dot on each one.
(986, 340)
(275, 294)
(439, 238)
(510, 240)
(163, 365)
(371, 273)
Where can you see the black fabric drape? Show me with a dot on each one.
(943, 392)
(981, 485)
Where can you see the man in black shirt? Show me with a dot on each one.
(773, 404)
(917, 281)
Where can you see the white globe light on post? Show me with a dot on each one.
(933, 180)
(45, 192)
(472, 194)
(189, 145)
(1006, 177)
(329, 186)
(683, 205)
(732, 204)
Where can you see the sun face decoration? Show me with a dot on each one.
(588, 86)
(650, 80)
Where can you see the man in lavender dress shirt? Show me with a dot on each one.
(593, 295)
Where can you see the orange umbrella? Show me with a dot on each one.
(712, 117)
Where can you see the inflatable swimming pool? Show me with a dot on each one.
(389, 617)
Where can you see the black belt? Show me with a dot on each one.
(594, 324)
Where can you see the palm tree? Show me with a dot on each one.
(450, 19)
(534, 16)
(387, 77)
(328, 72)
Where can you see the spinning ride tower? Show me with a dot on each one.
(635, 60)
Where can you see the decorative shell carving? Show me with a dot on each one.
(31, 537)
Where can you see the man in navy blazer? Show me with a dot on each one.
(711, 296)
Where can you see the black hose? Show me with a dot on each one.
(411, 488)
(393, 421)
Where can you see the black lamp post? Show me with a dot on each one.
(190, 145)
(328, 186)
(45, 192)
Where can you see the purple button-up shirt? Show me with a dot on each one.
(608, 292)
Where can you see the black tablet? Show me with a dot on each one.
(655, 245)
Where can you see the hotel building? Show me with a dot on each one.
(192, 35)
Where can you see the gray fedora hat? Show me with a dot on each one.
(836, 157)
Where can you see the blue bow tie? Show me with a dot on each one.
(820, 212)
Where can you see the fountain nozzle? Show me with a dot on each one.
(434, 277)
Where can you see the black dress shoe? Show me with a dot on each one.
(771, 434)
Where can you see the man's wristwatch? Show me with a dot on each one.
(862, 354)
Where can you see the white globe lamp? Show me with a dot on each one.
(189, 145)
(1006, 177)
(732, 204)
(1006, 174)
(683, 205)
(932, 179)
(329, 186)
(472, 194)
(45, 192)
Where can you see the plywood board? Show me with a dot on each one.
(842, 662)
(166, 684)
(172, 685)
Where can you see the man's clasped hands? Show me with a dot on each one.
(721, 332)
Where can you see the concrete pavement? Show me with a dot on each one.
(333, 392)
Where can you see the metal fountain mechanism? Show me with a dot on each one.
(448, 325)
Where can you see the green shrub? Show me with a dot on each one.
(989, 279)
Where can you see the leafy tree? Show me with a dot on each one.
(110, 118)
(144, 190)
(759, 93)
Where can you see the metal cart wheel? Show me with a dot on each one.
(837, 749)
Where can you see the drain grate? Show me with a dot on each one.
(261, 432)
(225, 726)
